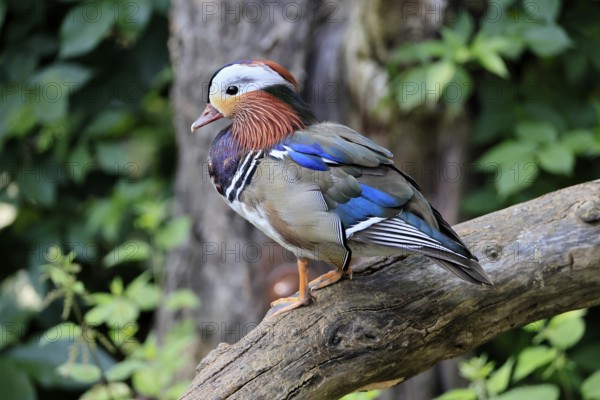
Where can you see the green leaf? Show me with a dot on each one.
(535, 327)
(535, 392)
(85, 373)
(421, 52)
(513, 164)
(117, 314)
(174, 233)
(459, 394)
(462, 26)
(565, 330)
(556, 159)
(488, 56)
(124, 369)
(16, 385)
(122, 335)
(566, 335)
(37, 186)
(438, 76)
(537, 131)
(84, 27)
(590, 388)
(581, 141)
(547, 40)
(146, 295)
(508, 46)
(567, 317)
(476, 368)
(130, 251)
(543, 9)
(149, 381)
(69, 76)
(52, 86)
(532, 358)
(65, 330)
(113, 157)
(182, 298)
(499, 379)
(508, 152)
(112, 391)
(110, 123)
(116, 286)
(49, 104)
(79, 164)
(459, 89)
(98, 314)
(132, 17)
(411, 89)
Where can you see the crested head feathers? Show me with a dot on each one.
(262, 99)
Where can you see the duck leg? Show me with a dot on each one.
(326, 279)
(302, 298)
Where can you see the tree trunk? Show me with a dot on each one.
(398, 317)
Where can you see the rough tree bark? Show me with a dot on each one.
(398, 317)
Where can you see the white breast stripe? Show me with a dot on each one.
(249, 171)
(237, 175)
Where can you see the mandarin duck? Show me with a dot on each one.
(319, 189)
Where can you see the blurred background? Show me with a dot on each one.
(122, 267)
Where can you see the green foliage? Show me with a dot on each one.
(151, 370)
(370, 395)
(86, 162)
(541, 371)
(529, 70)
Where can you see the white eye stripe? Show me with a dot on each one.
(246, 77)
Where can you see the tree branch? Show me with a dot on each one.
(398, 317)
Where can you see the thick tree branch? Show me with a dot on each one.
(398, 317)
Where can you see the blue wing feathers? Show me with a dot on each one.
(312, 149)
(356, 210)
(380, 197)
(345, 148)
(309, 161)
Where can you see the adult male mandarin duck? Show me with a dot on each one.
(319, 189)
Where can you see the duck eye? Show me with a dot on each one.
(231, 90)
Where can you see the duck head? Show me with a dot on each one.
(260, 97)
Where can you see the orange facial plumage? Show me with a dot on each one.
(262, 120)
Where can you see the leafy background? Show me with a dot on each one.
(86, 165)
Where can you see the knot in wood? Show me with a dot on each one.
(589, 211)
(492, 251)
(356, 335)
